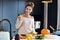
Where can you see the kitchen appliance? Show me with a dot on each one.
(37, 24)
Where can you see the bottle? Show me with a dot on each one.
(17, 37)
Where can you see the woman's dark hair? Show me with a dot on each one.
(31, 4)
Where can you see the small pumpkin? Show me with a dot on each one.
(45, 31)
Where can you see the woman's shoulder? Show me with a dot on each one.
(32, 17)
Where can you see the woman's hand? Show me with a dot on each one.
(20, 17)
(34, 33)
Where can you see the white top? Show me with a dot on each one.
(25, 25)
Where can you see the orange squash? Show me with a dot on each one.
(45, 31)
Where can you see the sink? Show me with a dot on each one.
(57, 32)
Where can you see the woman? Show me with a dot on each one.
(25, 22)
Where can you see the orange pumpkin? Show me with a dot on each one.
(45, 31)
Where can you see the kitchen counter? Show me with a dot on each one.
(49, 37)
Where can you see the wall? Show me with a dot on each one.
(9, 9)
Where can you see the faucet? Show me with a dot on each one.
(9, 24)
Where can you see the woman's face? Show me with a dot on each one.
(28, 9)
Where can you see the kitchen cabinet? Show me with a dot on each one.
(9, 9)
(10, 12)
(0, 9)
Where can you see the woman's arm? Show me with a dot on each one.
(18, 23)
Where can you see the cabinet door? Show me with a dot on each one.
(1, 9)
(21, 6)
(11, 9)
(10, 12)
